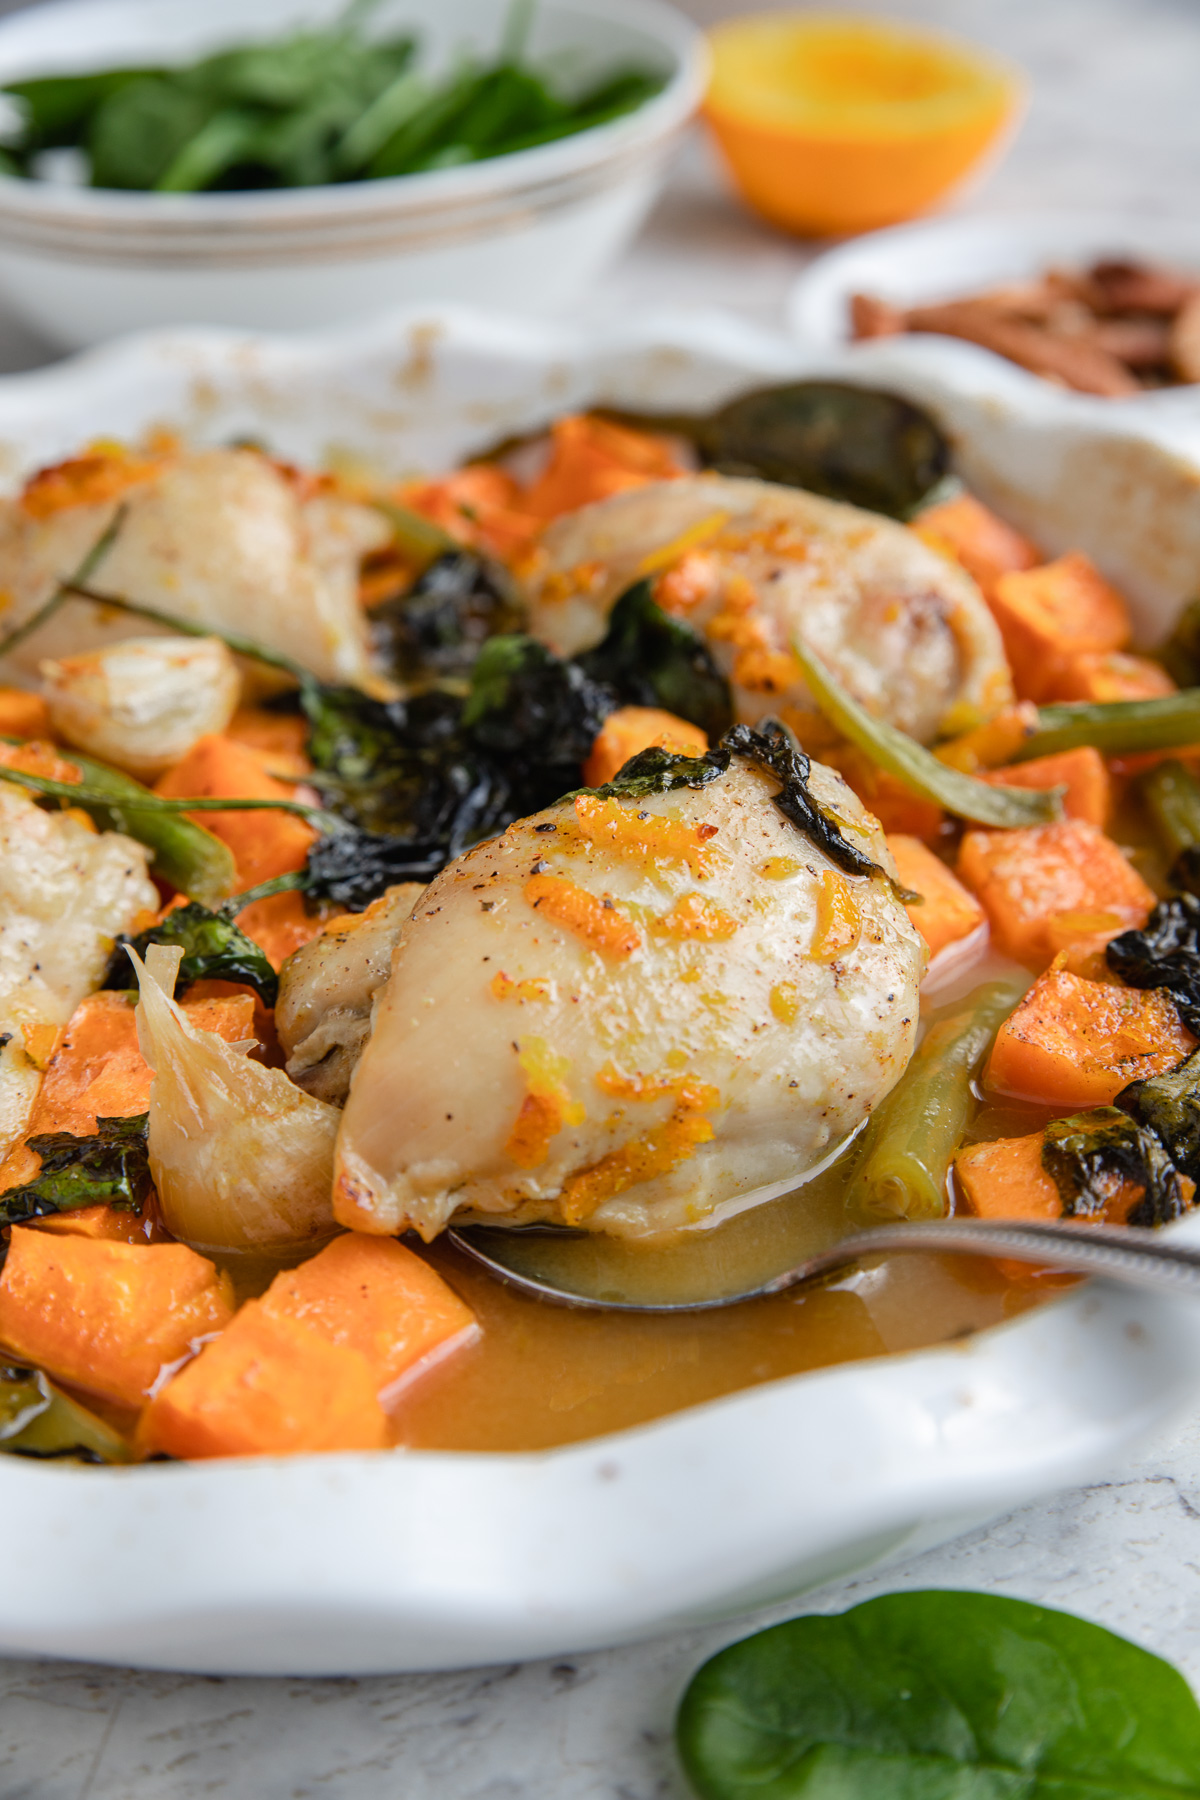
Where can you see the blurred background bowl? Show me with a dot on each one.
(529, 231)
(832, 124)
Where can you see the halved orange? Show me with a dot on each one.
(833, 124)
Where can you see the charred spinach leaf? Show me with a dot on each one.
(773, 748)
(215, 948)
(1169, 1105)
(111, 1168)
(1165, 953)
(535, 716)
(1090, 1155)
(650, 659)
(939, 1696)
(660, 771)
(436, 630)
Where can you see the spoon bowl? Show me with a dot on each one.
(1123, 1253)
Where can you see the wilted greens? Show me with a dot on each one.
(1090, 1155)
(940, 1696)
(860, 445)
(649, 658)
(661, 772)
(435, 631)
(1164, 953)
(38, 1420)
(215, 948)
(309, 108)
(110, 1168)
(774, 749)
(1169, 1104)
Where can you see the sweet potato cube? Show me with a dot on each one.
(107, 1316)
(379, 1298)
(1050, 616)
(1082, 772)
(115, 1223)
(264, 844)
(948, 912)
(1076, 1043)
(985, 546)
(1103, 676)
(1037, 881)
(23, 715)
(268, 1386)
(896, 807)
(98, 1072)
(1005, 1180)
(634, 728)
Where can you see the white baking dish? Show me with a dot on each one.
(351, 1564)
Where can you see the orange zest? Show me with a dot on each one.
(505, 988)
(600, 923)
(90, 480)
(839, 919)
(646, 835)
(694, 917)
(651, 1153)
(547, 1105)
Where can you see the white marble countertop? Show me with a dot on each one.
(1113, 124)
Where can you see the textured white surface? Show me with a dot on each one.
(1113, 125)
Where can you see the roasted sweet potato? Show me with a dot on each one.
(1082, 772)
(1005, 1180)
(983, 543)
(1076, 1043)
(1106, 675)
(634, 728)
(270, 1385)
(1051, 616)
(107, 1316)
(23, 715)
(1030, 881)
(948, 912)
(379, 1298)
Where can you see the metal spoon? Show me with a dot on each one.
(1123, 1253)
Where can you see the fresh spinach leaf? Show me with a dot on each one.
(940, 1696)
(110, 1168)
(1165, 953)
(141, 128)
(1091, 1155)
(649, 658)
(215, 948)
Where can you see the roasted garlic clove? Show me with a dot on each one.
(242, 1158)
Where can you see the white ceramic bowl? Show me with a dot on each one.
(350, 1564)
(953, 257)
(530, 231)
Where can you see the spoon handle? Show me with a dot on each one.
(1122, 1252)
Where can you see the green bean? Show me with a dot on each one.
(1180, 655)
(87, 568)
(183, 853)
(911, 763)
(38, 1420)
(1116, 727)
(1172, 797)
(912, 1136)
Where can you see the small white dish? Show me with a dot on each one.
(343, 1565)
(530, 231)
(953, 257)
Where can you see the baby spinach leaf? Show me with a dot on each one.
(1165, 953)
(940, 1696)
(111, 1168)
(649, 658)
(1091, 1155)
(141, 128)
(215, 948)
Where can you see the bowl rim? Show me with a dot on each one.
(440, 1559)
(816, 305)
(516, 174)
